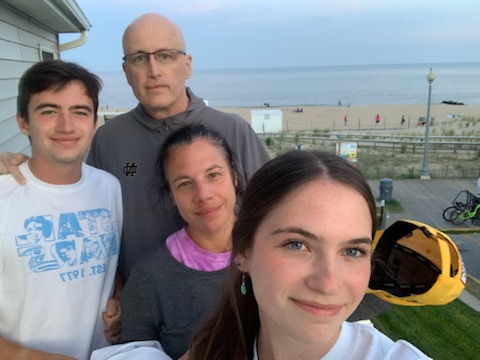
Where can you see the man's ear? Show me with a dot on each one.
(23, 125)
(188, 66)
(127, 73)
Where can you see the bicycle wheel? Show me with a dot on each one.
(476, 218)
(458, 218)
(451, 213)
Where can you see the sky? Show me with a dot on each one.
(233, 34)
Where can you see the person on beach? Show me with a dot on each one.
(377, 119)
(156, 67)
(402, 121)
(299, 270)
(51, 304)
(172, 289)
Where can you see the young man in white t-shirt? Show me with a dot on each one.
(60, 232)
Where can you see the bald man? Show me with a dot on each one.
(157, 65)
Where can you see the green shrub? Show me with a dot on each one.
(297, 137)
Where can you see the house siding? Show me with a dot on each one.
(21, 43)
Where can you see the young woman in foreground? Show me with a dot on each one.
(302, 258)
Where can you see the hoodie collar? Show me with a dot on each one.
(195, 104)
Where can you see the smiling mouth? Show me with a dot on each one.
(318, 309)
(65, 140)
(207, 212)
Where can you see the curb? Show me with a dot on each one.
(470, 300)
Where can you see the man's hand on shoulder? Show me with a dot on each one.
(9, 165)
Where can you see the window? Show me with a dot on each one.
(47, 55)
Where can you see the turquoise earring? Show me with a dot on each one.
(243, 287)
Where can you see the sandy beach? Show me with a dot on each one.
(363, 117)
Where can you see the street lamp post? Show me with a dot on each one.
(424, 172)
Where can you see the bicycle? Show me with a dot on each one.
(462, 211)
(458, 217)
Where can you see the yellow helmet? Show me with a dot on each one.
(414, 264)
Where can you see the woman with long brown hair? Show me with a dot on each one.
(302, 246)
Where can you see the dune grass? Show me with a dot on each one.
(442, 332)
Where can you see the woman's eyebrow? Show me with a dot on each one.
(180, 177)
(295, 230)
(309, 235)
(183, 177)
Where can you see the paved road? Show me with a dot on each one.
(469, 245)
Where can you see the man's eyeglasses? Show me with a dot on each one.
(163, 56)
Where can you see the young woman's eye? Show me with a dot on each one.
(296, 245)
(355, 252)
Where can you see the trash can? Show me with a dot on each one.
(386, 189)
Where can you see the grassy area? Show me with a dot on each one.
(443, 332)
(396, 163)
(394, 207)
(378, 164)
(391, 206)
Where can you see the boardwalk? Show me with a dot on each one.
(425, 200)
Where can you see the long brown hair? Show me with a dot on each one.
(231, 331)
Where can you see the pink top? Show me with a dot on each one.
(185, 251)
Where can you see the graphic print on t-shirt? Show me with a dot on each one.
(76, 243)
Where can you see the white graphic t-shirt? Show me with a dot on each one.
(59, 248)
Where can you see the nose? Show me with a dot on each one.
(154, 68)
(325, 276)
(65, 123)
(203, 192)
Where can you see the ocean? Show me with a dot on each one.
(326, 85)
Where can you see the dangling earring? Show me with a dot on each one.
(243, 287)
